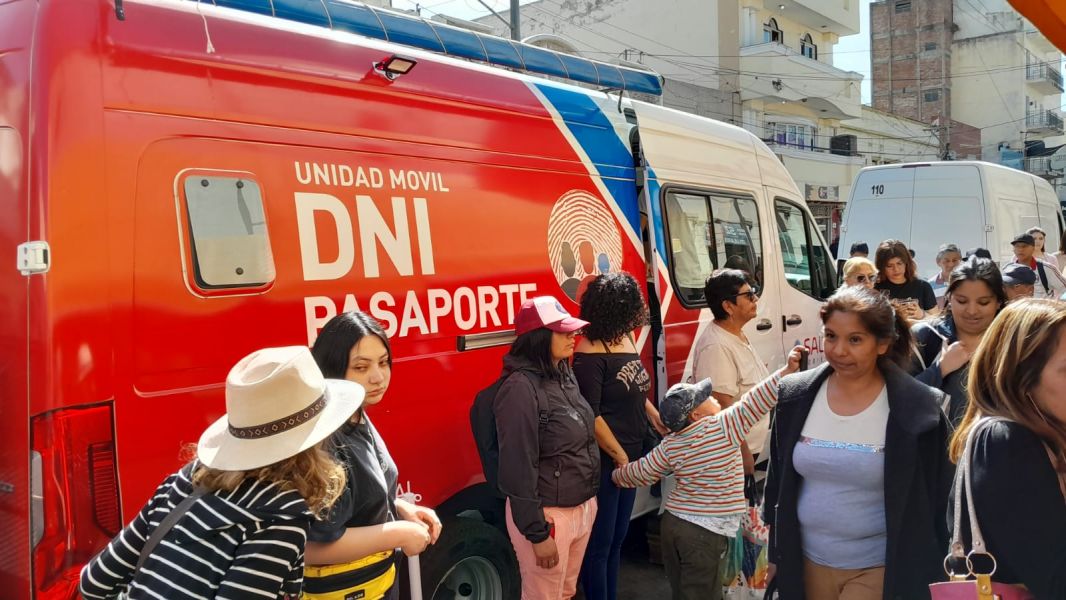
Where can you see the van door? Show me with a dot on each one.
(707, 211)
(808, 272)
(879, 208)
(947, 209)
(1050, 213)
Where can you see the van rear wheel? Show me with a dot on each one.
(472, 560)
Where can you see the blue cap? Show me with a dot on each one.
(680, 401)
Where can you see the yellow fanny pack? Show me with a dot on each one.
(368, 578)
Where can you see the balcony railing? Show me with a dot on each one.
(1043, 119)
(1043, 72)
(1038, 165)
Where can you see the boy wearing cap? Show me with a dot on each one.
(703, 511)
(1051, 281)
(1018, 281)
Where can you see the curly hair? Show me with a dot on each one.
(614, 307)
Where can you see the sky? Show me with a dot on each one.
(851, 53)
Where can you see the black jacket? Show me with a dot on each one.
(918, 478)
(1019, 508)
(931, 339)
(554, 465)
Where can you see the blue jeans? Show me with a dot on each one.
(599, 571)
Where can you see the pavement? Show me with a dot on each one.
(640, 577)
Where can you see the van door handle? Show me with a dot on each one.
(764, 325)
(793, 320)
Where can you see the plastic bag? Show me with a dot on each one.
(731, 567)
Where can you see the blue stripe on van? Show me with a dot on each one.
(610, 156)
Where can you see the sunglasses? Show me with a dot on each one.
(752, 294)
(864, 278)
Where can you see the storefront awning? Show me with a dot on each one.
(1049, 16)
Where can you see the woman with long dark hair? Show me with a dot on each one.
(369, 522)
(859, 479)
(549, 463)
(975, 295)
(1017, 421)
(615, 384)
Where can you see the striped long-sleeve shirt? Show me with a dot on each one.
(248, 543)
(705, 458)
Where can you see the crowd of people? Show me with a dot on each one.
(293, 492)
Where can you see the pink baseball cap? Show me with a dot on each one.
(545, 311)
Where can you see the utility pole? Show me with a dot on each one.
(516, 25)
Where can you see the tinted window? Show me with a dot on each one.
(710, 231)
(808, 266)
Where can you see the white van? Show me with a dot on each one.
(966, 203)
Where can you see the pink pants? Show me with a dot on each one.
(572, 529)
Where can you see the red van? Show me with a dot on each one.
(184, 182)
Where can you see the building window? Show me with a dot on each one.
(903, 6)
(808, 48)
(772, 33)
(932, 95)
(791, 134)
(930, 46)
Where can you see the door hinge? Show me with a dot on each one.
(34, 257)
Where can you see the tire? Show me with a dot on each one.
(472, 560)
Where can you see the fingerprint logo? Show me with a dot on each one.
(583, 241)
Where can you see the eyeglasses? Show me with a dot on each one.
(752, 294)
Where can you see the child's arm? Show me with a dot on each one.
(646, 471)
(738, 419)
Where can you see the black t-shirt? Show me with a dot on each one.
(372, 480)
(916, 289)
(616, 386)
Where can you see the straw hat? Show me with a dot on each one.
(278, 404)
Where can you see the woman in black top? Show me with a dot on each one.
(1018, 374)
(898, 279)
(369, 519)
(615, 384)
(975, 295)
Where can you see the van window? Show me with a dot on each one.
(227, 233)
(808, 266)
(709, 231)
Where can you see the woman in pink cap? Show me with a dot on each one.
(549, 466)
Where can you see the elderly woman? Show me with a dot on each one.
(860, 271)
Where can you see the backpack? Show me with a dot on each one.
(483, 426)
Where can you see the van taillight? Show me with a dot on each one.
(75, 507)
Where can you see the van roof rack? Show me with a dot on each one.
(410, 30)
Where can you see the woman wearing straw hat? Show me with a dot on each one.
(351, 553)
(234, 521)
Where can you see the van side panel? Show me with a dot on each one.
(15, 47)
(449, 214)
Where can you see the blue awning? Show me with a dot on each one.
(409, 30)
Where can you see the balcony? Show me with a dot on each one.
(1043, 121)
(1038, 165)
(773, 72)
(1045, 78)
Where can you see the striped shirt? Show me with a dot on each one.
(705, 458)
(248, 543)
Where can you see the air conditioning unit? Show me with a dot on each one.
(844, 145)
